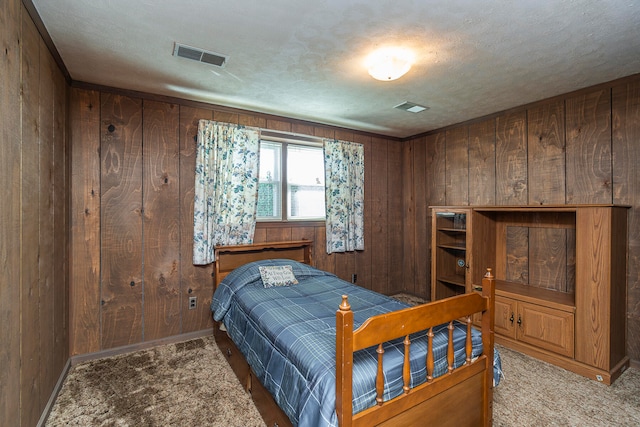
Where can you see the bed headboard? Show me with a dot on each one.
(229, 258)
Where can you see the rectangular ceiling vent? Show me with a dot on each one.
(200, 55)
(411, 107)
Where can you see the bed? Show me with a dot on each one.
(314, 350)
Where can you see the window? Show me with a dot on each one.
(295, 171)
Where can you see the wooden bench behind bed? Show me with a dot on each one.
(461, 397)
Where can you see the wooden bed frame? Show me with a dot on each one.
(461, 397)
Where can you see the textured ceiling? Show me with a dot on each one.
(304, 59)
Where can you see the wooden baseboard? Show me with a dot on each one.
(54, 394)
(139, 346)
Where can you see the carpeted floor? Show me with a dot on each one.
(191, 384)
(184, 384)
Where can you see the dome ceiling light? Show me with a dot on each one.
(389, 64)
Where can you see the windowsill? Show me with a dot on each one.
(290, 223)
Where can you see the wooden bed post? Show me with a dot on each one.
(344, 363)
(488, 319)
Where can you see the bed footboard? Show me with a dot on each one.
(438, 400)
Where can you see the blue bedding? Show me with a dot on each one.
(287, 334)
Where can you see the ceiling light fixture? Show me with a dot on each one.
(389, 64)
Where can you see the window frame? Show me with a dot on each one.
(286, 140)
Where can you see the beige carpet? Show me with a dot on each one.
(536, 393)
(191, 384)
(184, 384)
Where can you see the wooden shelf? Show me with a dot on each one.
(453, 280)
(454, 246)
(452, 230)
(559, 300)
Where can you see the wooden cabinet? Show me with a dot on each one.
(560, 278)
(536, 324)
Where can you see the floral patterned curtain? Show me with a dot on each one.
(226, 187)
(344, 194)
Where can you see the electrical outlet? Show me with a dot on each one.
(354, 278)
(193, 302)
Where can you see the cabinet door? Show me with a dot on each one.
(505, 309)
(546, 328)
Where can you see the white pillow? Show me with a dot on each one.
(277, 275)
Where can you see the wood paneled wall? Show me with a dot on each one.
(33, 216)
(583, 147)
(132, 217)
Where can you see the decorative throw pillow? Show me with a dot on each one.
(277, 275)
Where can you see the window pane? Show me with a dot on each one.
(270, 182)
(305, 182)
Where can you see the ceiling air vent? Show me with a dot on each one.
(411, 107)
(200, 55)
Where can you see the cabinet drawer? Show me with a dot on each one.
(546, 328)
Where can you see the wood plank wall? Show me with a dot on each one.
(33, 215)
(579, 148)
(132, 216)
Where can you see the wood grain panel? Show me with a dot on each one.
(252, 120)
(395, 218)
(278, 234)
(32, 376)
(84, 304)
(10, 212)
(618, 288)
(571, 260)
(511, 159)
(546, 153)
(302, 128)
(435, 170)
(279, 125)
(589, 148)
(409, 208)
(626, 190)
(304, 233)
(226, 117)
(420, 250)
(121, 213)
(161, 220)
(61, 226)
(321, 259)
(482, 163)
(517, 254)
(195, 280)
(48, 376)
(379, 225)
(592, 298)
(548, 258)
(457, 166)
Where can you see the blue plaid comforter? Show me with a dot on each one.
(288, 336)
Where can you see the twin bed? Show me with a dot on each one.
(315, 350)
